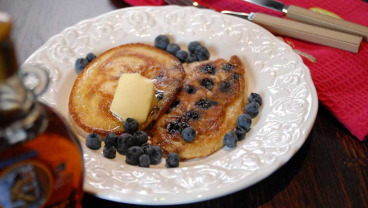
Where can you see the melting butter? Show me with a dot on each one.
(133, 98)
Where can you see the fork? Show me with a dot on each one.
(291, 28)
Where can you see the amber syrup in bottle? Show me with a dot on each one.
(41, 161)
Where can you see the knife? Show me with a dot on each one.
(302, 31)
(304, 15)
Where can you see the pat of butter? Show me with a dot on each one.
(133, 97)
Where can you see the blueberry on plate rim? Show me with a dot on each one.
(172, 160)
(161, 42)
(93, 141)
(109, 152)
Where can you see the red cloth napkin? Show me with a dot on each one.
(340, 77)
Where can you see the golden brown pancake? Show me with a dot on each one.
(94, 88)
(211, 100)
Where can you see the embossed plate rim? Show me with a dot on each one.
(292, 73)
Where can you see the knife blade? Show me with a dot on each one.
(307, 16)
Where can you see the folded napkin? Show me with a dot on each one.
(340, 77)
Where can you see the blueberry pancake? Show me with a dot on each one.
(93, 90)
(210, 101)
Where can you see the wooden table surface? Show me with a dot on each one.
(330, 170)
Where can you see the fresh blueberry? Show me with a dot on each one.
(192, 46)
(244, 121)
(252, 109)
(230, 139)
(146, 147)
(133, 154)
(254, 97)
(93, 141)
(225, 86)
(124, 142)
(240, 133)
(80, 64)
(172, 160)
(162, 41)
(109, 152)
(190, 89)
(155, 154)
(130, 125)
(181, 55)
(140, 137)
(90, 57)
(207, 83)
(188, 134)
(144, 161)
(191, 58)
(173, 48)
(111, 139)
(202, 53)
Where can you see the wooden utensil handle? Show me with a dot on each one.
(314, 18)
(307, 32)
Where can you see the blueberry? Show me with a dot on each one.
(90, 57)
(236, 76)
(181, 55)
(162, 41)
(188, 134)
(205, 104)
(189, 89)
(254, 97)
(93, 141)
(191, 115)
(109, 152)
(140, 137)
(207, 83)
(191, 58)
(130, 125)
(173, 48)
(124, 142)
(228, 67)
(111, 139)
(208, 69)
(240, 133)
(176, 127)
(192, 46)
(160, 95)
(133, 154)
(225, 86)
(172, 160)
(230, 139)
(146, 147)
(244, 121)
(80, 64)
(174, 104)
(144, 161)
(155, 154)
(252, 109)
(202, 53)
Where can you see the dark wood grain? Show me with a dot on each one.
(330, 170)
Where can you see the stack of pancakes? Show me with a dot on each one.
(207, 96)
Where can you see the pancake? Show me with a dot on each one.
(212, 98)
(93, 90)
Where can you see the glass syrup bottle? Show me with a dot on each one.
(41, 162)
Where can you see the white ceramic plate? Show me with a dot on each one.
(274, 70)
